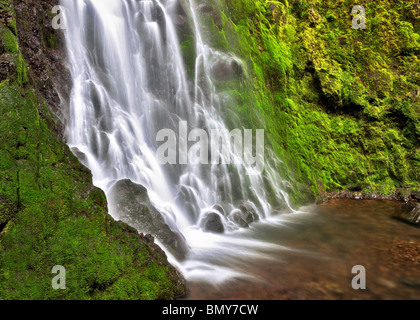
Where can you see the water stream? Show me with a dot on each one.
(129, 83)
(313, 252)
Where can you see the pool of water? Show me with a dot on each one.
(310, 255)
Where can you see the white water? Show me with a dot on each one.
(129, 82)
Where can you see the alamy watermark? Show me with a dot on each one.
(359, 281)
(58, 21)
(359, 21)
(59, 281)
(214, 147)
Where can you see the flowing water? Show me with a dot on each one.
(129, 83)
(312, 255)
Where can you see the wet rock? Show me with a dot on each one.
(213, 223)
(180, 18)
(411, 282)
(131, 203)
(249, 214)
(356, 196)
(403, 195)
(409, 212)
(81, 156)
(219, 208)
(204, 8)
(236, 216)
(7, 66)
(226, 71)
(415, 195)
(149, 238)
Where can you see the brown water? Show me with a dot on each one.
(325, 245)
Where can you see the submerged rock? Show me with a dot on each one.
(213, 223)
(132, 205)
(409, 212)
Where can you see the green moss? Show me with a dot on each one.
(50, 213)
(8, 41)
(340, 106)
(57, 218)
(21, 68)
(189, 53)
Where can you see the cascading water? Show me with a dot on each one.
(129, 83)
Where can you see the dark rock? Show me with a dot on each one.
(204, 8)
(44, 51)
(354, 188)
(180, 20)
(411, 282)
(226, 71)
(149, 238)
(409, 212)
(131, 203)
(415, 195)
(236, 216)
(403, 195)
(81, 156)
(7, 66)
(249, 213)
(213, 223)
(219, 208)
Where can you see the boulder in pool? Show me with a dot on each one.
(408, 212)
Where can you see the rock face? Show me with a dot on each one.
(213, 223)
(44, 52)
(409, 212)
(131, 203)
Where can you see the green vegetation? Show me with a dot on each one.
(339, 105)
(50, 213)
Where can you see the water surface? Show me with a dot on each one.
(310, 255)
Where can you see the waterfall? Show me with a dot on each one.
(129, 83)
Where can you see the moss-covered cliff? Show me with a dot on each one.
(341, 106)
(50, 213)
